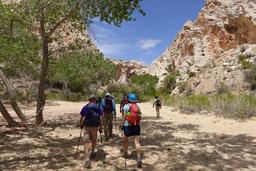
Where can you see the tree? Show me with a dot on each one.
(7, 116)
(78, 70)
(147, 82)
(51, 14)
(17, 60)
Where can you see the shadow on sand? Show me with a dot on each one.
(166, 146)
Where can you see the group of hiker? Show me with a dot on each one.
(99, 113)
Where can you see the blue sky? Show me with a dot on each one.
(146, 38)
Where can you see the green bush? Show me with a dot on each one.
(250, 77)
(243, 60)
(77, 71)
(233, 106)
(169, 83)
(146, 82)
(222, 88)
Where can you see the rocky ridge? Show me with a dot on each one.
(206, 51)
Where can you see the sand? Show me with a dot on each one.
(176, 141)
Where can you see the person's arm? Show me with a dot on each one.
(82, 116)
(154, 103)
(101, 123)
(81, 121)
(114, 107)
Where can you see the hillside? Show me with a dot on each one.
(206, 52)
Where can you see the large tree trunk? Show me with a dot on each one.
(12, 97)
(41, 90)
(44, 68)
(7, 116)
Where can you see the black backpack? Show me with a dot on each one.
(93, 116)
(158, 102)
(108, 108)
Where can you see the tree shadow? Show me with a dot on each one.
(165, 146)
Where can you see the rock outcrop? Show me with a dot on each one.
(126, 69)
(206, 51)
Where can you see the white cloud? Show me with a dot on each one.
(108, 41)
(148, 44)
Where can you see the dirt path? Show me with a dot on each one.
(174, 142)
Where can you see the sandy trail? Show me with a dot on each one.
(174, 142)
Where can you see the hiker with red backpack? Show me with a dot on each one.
(131, 126)
(109, 113)
(91, 122)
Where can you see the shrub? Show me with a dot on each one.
(191, 74)
(169, 83)
(146, 82)
(243, 60)
(233, 106)
(250, 77)
(221, 88)
(78, 71)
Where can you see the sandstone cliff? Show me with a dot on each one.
(126, 69)
(206, 51)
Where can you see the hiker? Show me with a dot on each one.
(123, 102)
(91, 122)
(99, 101)
(157, 105)
(130, 124)
(109, 113)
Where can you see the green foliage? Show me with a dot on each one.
(78, 71)
(18, 45)
(146, 82)
(169, 83)
(191, 74)
(112, 12)
(250, 76)
(244, 62)
(222, 88)
(233, 106)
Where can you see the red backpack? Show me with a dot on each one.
(133, 116)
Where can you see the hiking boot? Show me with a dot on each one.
(139, 163)
(87, 164)
(92, 155)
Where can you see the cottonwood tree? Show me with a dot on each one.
(18, 51)
(51, 14)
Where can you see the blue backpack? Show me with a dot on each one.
(92, 117)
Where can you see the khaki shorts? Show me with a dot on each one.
(90, 134)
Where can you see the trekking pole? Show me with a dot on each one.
(101, 140)
(116, 124)
(78, 143)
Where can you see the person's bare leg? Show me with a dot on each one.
(138, 149)
(137, 145)
(125, 145)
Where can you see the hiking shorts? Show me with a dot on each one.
(133, 130)
(90, 134)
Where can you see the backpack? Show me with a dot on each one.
(93, 115)
(133, 116)
(108, 108)
(158, 102)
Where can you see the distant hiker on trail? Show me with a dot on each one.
(91, 121)
(109, 113)
(157, 105)
(131, 126)
(123, 102)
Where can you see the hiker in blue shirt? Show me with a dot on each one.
(91, 122)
